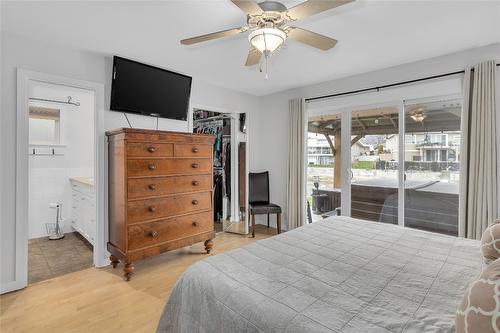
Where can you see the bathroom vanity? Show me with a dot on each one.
(83, 207)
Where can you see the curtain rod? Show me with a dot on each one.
(387, 85)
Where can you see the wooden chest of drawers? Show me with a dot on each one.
(160, 193)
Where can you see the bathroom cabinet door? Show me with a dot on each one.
(75, 218)
(83, 215)
(84, 209)
(88, 209)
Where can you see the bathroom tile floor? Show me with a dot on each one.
(51, 258)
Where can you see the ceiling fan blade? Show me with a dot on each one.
(253, 58)
(311, 38)
(312, 7)
(248, 6)
(214, 35)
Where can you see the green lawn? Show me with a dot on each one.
(329, 166)
(367, 165)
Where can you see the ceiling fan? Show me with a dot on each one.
(268, 24)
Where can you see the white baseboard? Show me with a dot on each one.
(11, 286)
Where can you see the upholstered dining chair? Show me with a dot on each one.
(259, 199)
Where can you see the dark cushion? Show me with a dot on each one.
(264, 208)
(258, 190)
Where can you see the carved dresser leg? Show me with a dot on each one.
(128, 270)
(208, 245)
(114, 260)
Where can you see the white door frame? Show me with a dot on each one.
(234, 156)
(22, 170)
(401, 164)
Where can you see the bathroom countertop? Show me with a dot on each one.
(83, 180)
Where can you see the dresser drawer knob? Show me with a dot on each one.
(152, 187)
(151, 149)
(195, 165)
(195, 224)
(195, 150)
(152, 209)
(153, 234)
(194, 202)
(152, 167)
(195, 183)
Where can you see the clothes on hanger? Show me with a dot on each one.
(221, 129)
(227, 168)
(208, 127)
(213, 127)
(218, 197)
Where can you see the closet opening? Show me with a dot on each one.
(229, 167)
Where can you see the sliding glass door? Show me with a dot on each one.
(324, 154)
(406, 172)
(374, 149)
(431, 162)
(390, 156)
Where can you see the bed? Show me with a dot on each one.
(338, 275)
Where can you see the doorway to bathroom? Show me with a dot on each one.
(59, 177)
(62, 207)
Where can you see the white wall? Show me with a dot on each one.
(49, 175)
(272, 141)
(19, 52)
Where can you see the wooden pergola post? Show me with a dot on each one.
(338, 162)
(335, 146)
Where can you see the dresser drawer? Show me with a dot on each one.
(169, 166)
(150, 149)
(158, 136)
(157, 186)
(150, 209)
(192, 150)
(146, 234)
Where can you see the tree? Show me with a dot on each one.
(380, 149)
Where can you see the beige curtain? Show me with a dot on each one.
(479, 152)
(297, 152)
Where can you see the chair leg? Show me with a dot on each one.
(253, 226)
(278, 222)
(268, 220)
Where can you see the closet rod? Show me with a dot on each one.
(56, 101)
(387, 85)
(213, 118)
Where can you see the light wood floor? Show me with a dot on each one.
(99, 300)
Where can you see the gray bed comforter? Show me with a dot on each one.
(337, 275)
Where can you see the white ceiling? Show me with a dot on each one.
(372, 35)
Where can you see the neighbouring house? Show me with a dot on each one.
(425, 147)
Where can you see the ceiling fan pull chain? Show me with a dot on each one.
(267, 56)
(266, 52)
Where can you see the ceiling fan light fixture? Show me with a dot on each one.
(267, 40)
(418, 114)
(268, 24)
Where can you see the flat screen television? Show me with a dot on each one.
(148, 90)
